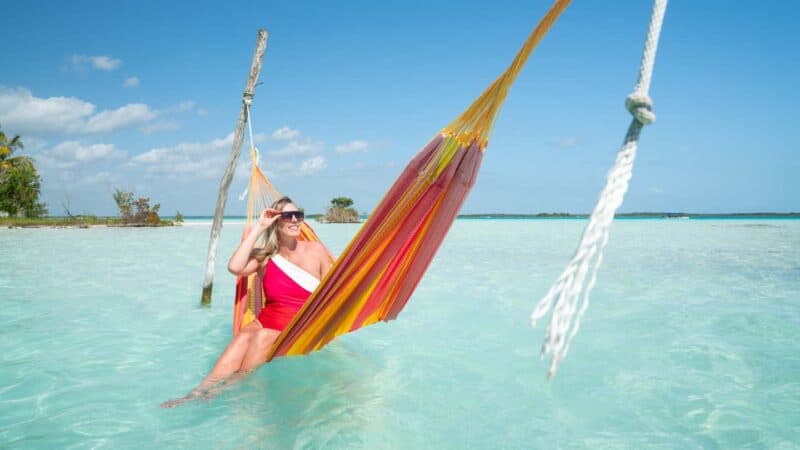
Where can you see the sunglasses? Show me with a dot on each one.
(287, 215)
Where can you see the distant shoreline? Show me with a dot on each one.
(78, 222)
(102, 222)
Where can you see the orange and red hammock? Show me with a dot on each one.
(377, 273)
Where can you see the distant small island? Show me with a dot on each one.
(340, 211)
(139, 213)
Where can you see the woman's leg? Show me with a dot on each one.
(231, 359)
(227, 364)
(259, 347)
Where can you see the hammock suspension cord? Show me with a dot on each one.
(247, 99)
(569, 296)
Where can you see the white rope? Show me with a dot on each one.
(253, 150)
(569, 296)
(254, 155)
(243, 195)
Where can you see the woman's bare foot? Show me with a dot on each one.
(224, 384)
(175, 402)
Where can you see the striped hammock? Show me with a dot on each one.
(378, 271)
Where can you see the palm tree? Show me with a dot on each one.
(7, 161)
(19, 181)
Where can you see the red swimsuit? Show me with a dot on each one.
(283, 297)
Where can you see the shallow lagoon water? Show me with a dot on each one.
(690, 342)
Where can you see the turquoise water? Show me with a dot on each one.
(691, 341)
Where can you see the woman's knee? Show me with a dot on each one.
(265, 337)
(244, 338)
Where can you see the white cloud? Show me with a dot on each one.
(568, 142)
(25, 113)
(105, 63)
(352, 147)
(298, 148)
(306, 167)
(181, 107)
(162, 125)
(313, 165)
(184, 149)
(34, 144)
(69, 154)
(242, 172)
(131, 82)
(283, 166)
(285, 133)
(210, 168)
(122, 117)
(208, 160)
(85, 153)
(98, 178)
(202, 112)
(205, 160)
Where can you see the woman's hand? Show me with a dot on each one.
(241, 263)
(267, 218)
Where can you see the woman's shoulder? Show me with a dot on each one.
(316, 249)
(314, 246)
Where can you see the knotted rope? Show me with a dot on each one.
(570, 293)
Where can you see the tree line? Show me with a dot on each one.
(20, 189)
(20, 183)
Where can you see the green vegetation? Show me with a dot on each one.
(341, 211)
(133, 213)
(72, 221)
(20, 183)
(341, 202)
(138, 213)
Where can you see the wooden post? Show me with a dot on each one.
(225, 183)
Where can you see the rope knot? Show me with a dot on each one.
(640, 106)
(254, 154)
(247, 98)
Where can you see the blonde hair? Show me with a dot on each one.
(270, 237)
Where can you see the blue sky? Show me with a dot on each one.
(144, 96)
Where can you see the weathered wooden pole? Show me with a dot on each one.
(225, 183)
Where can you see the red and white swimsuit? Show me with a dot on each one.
(286, 289)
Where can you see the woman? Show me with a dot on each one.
(291, 271)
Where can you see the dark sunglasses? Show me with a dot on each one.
(287, 215)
